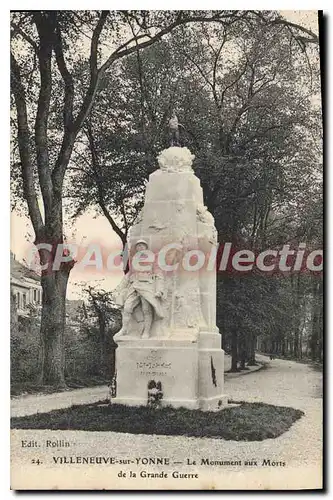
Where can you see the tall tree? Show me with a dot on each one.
(102, 309)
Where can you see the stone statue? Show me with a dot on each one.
(143, 289)
(174, 130)
(205, 217)
(172, 305)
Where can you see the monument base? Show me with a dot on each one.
(190, 372)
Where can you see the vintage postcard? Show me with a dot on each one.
(166, 250)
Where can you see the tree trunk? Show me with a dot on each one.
(113, 348)
(252, 355)
(296, 343)
(234, 351)
(242, 349)
(283, 346)
(54, 285)
(316, 309)
(242, 361)
(104, 354)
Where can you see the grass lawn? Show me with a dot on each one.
(246, 422)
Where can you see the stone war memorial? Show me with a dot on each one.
(169, 346)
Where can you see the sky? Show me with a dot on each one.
(90, 228)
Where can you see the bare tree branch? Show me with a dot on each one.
(99, 185)
(67, 78)
(23, 135)
(43, 25)
(70, 135)
(94, 74)
(238, 77)
(217, 57)
(280, 21)
(123, 213)
(25, 36)
(181, 19)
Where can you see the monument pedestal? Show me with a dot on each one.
(190, 371)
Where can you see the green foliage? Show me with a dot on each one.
(246, 422)
(82, 355)
(237, 93)
(25, 348)
(247, 97)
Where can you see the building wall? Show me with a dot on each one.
(25, 292)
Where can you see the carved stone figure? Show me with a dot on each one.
(176, 160)
(205, 217)
(143, 289)
(174, 130)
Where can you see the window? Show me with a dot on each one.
(18, 300)
(35, 295)
(24, 300)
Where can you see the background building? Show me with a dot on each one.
(25, 287)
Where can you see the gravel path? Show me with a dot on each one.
(296, 454)
(32, 403)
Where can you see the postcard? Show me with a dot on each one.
(166, 250)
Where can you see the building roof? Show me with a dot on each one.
(19, 283)
(20, 271)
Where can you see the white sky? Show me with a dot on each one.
(88, 229)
